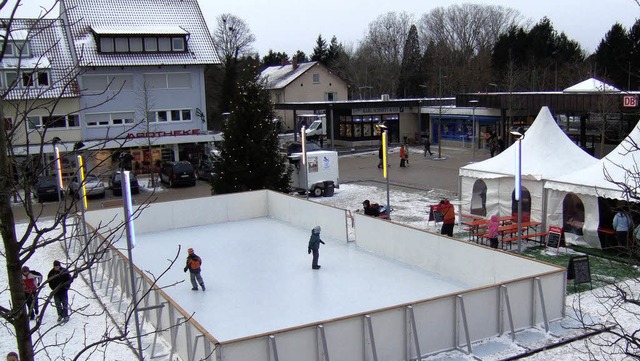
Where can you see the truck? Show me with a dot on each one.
(322, 175)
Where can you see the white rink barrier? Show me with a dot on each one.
(507, 292)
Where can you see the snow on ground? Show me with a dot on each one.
(89, 323)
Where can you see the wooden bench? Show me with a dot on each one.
(531, 236)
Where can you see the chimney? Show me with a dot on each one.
(294, 63)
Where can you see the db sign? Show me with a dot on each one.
(630, 101)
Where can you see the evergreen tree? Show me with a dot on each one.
(320, 51)
(301, 57)
(272, 59)
(249, 158)
(613, 56)
(410, 70)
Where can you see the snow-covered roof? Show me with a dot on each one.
(547, 152)
(279, 76)
(620, 165)
(139, 30)
(132, 16)
(591, 85)
(49, 51)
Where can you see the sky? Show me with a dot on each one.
(291, 26)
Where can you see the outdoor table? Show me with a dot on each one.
(474, 227)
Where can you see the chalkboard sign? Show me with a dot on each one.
(579, 270)
(435, 215)
(553, 239)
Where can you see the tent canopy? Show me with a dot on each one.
(547, 153)
(592, 85)
(621, 165)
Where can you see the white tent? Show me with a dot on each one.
(592, 85)
(591, 183)
(547, 153)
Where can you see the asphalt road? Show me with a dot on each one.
(356, 166)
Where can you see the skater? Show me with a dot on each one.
(403, 156)
(427, 146)
(314, 246)
(31, 281)
(193, 266)
(59, 281)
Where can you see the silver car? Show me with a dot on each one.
(93, 185)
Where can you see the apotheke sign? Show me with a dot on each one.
(161, 134)
(383, 110)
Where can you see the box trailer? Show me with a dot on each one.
(322, 174)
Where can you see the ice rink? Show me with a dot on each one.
(259, 278)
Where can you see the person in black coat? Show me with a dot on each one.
(60, 281)
(314, 246)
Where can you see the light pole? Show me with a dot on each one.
(303, 140)
(385, 169)
(518, 186)
(473, 131)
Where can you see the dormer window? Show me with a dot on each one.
(15, 49)
(141, 39)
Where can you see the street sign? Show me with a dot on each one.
(630, 101)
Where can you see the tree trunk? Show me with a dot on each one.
(20, 319)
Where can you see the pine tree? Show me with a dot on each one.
(411, 76)
(249, 158)
(320, 51)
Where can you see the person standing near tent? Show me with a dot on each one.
(622, 225)
(449, 216)
(493, 231)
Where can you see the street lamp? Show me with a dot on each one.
(385, 169)
(518, 185)
(473, 131)
(303, 140)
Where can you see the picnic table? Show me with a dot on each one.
(477, 227)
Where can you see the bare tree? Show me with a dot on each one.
(36, 104)
(383, 47)
(232, 37)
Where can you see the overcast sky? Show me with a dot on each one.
(291, 25)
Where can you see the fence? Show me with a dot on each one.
(508, 293)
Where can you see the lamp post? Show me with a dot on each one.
(303, 140)
(385, 168)
(473, 131)
(131, 242)
(518, 185)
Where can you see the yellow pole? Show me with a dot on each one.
(384, 154)
(82, 186)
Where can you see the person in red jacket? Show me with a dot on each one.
(449, 216)
(31, 281)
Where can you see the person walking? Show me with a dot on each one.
(403, 155)
(314, 246)
(427, 146)
(449, 216)
(194, 262)
(12, 356)
(622, 224)
(31, 281)
(493, 231)
(60, 281)
(380, 157)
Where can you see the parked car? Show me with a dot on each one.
(178, 173)
(206, 170)
(296, 147)
(46, 189)
(92, 184)
(115, 183)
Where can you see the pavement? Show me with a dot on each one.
(439, 171)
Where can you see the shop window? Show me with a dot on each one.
(479, 198)
(572, 214)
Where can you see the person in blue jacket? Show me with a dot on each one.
(314, 246)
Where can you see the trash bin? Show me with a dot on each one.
(329, 187)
